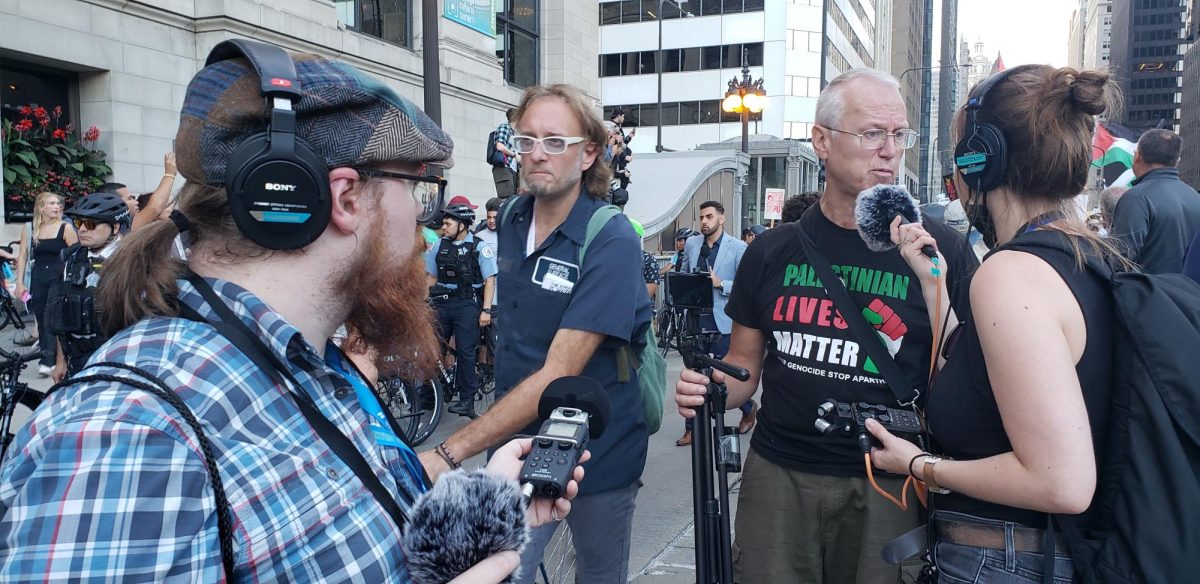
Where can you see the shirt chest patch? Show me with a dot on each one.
(555, 275)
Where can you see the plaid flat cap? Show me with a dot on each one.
(347, 117)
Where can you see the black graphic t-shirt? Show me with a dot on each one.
(811, 353)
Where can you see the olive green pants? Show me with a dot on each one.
(806, 528)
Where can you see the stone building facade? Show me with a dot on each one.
(123, 65)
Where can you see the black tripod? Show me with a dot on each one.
(712, 454)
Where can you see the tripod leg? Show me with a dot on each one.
(725, 555)
(701, 477)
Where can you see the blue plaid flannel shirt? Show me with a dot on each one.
(504, 135)
(106, 483)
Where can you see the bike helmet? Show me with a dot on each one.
(462, 213)
(102, 207)
(683, 233)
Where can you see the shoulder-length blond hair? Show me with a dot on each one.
(38, 203)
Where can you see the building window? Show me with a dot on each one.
(517, 41)
(630, 11)
(677, 60)
(390, 20)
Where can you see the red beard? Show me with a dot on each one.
(390, 313)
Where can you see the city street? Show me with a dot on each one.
(662, 550)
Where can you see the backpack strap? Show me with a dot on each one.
(626, 360)
(600, 218)
(229, 326)
(160, 389)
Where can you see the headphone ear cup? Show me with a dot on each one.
(996, 148)
(987, 173)
(277, 202)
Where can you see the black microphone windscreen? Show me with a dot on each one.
(579, 392)
(875, 210)
(464, 518)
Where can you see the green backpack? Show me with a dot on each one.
(650, 365)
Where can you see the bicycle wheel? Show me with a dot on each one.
(431, 396)
(665, 330)
(393, 395)
(485, 393)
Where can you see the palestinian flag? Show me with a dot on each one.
(1112, 151)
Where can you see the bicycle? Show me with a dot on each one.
(669, 325)
(416, 406)
(13, 392)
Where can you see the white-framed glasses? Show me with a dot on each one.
(550, 144)
(875, 139)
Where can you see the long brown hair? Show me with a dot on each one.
(139, 279)
(1047, 117)
(596, 179)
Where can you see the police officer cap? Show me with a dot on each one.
(462, 213)
(102, 207)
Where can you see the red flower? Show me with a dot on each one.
(26, 110)
(24, 125)
(59, 134)
(39, 111)
(92, 134)
(43, 122)
(57, 111)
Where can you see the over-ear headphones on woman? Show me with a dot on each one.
(277, 186)
(982, 154)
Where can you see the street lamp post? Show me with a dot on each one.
(745, 96)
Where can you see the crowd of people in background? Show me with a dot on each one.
(1025, 440)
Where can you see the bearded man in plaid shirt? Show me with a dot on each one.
(110, 482)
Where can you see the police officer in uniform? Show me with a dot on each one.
(99, 219)
(465, 269)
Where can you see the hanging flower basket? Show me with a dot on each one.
(42, 155)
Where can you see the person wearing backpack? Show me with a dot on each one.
(1019, 414)
(574, 302)
(502, 157)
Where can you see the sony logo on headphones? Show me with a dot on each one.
(279, 187)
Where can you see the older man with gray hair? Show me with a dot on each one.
(807, 510)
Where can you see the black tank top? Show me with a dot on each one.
(964, 420)
(47, 255)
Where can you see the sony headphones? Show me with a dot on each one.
(982, 156)
(277, 186)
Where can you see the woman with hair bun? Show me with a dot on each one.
(1017, 415)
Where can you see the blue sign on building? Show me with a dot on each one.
(478, 15)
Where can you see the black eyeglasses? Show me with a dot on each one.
(428, 191)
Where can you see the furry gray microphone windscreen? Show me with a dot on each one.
(464, 518)
(875, 210)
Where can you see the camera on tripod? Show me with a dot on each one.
(556, 451)
(851, 418)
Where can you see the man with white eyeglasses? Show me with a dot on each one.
(565, 316)
(807, 511)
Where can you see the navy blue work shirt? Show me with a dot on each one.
(548, 290)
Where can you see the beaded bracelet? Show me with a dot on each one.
(446, 456)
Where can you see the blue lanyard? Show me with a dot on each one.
(1042, 221)
(378, 421)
